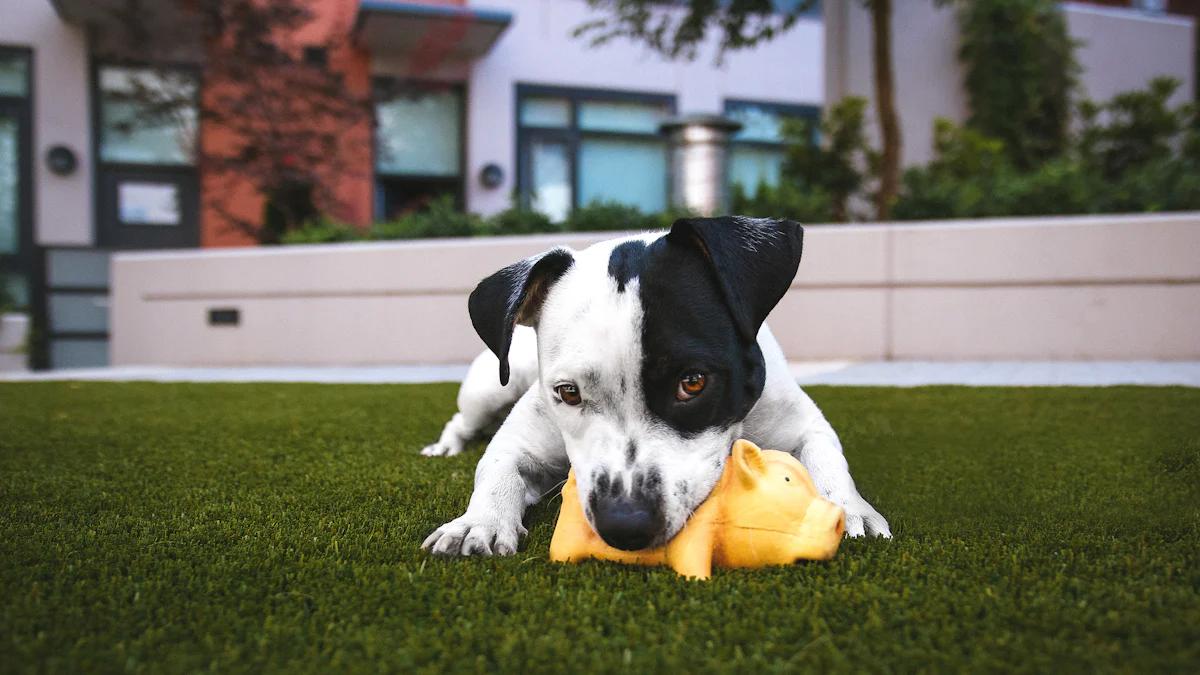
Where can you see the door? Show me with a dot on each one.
(147, 182)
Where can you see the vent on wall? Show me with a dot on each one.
(224, 317)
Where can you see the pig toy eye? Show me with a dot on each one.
(787, 479)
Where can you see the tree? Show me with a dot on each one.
(676, 29)
(285, 116)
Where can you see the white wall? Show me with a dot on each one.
(62, 205)
(538, 48)
(1089, 287)
(1122, 50)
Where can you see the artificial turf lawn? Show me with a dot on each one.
(252, 528)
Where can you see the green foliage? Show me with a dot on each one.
(609, 217)
(1122, 162)
(323, 230)
(274, 528)
(840, 164)
(786, 200)
(441, 219)
(676, 29)
(1020, 75)
(819, 177)
(1133, 130)
(519, 220)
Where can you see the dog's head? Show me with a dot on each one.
(648, 358)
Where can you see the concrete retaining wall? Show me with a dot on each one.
(1113, 287)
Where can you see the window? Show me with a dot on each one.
(418, 149)
(16, 188)
(757, 152)
(147, 117)
(576, 147)
(14, 74)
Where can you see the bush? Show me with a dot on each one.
(322, 231)
(786, 200)
(609, 217)
(442, 219)
(519, 220)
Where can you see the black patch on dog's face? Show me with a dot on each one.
(624, 261)
(687, 327)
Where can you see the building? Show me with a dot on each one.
(512, 105)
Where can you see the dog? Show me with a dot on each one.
(637, 362)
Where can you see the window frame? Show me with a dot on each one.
(572, 134)
(456, 184)
(809, 112)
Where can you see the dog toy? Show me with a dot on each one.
(764, 510)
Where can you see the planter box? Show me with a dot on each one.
(1080, 288)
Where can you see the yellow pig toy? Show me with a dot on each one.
(764, 510)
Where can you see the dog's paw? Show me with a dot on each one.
(473, 535)
(442, 449)
(862, 519)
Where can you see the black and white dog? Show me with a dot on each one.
(638, 362)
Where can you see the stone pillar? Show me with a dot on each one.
(700, 161)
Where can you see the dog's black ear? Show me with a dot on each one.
(754, 260)
(514, 295)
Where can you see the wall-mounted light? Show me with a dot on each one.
(61, 160)
(491, 176)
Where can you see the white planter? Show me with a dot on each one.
(14, 328)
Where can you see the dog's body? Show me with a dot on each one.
(650, 358)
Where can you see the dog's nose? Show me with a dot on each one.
(629, 524)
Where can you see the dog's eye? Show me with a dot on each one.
(690, 386)
(569, 394)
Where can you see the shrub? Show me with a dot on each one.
(838, 165)
(786, 200)
(519, 220)
(442, 219)
(322, 231)
(1132, 130)
(609, 217)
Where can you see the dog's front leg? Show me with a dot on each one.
(820, 452)
(525, 459)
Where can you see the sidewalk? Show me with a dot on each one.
(887, 374)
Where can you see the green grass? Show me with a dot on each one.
(253, 528)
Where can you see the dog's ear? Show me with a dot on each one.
(754, 260)
(514, 295)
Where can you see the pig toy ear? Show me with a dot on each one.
(748, 462)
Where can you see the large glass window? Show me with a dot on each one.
(757, 152)
(577, 147)
(147, 116)
(418, 149)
